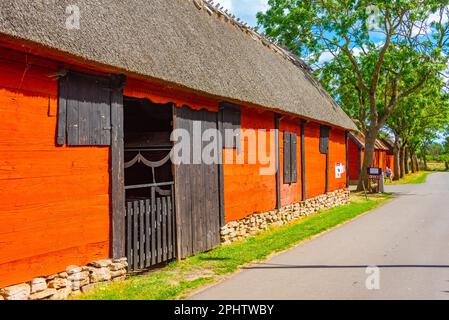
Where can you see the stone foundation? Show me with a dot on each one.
(72, 281)
(239, 230)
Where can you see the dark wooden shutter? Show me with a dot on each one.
(324, 139)
(231, 120)
(294, 158)
(85, 110)
(287, 158)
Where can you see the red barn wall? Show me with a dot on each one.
(337, 154)
(245, 190)
(290, 193)
(315, 161)
(54, 201)
(390, 162)
(380, 159)
(376, 161)
(353, 151)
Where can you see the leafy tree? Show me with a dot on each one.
(417, 120)
(369, 58)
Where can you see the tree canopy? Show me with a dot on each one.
(372, 56)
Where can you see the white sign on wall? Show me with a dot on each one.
(339, 170)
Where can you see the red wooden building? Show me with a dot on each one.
(89, 95)
(356, 150)
(387, 142)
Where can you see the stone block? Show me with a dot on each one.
(62, 294)
(117, 266)
(82, 275)
(118, 273)
(52, 277)
(42, 294)
(16, 292)
(59, 283)
(73, 269)
(78, 284)
(100, 274)
(38, 284)
(101, 263)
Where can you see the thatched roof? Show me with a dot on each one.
(359, 139)
(388, 143)
(187, 43)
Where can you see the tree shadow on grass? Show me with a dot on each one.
(214, 258)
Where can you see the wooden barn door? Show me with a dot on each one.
(196, 189)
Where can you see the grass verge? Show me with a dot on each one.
(414, 178)
(178, 279)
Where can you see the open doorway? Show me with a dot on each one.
(149, 183)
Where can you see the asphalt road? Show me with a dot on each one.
(407, 239)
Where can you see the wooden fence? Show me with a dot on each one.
(150, 230)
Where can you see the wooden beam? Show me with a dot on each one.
(303, 161)
(277, 117)
(118, 227)
(62, 111)
(347, 158)
(178, 219)
(220, 169)
(326, 188)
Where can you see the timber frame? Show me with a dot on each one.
(118, 236)
(277, 118)
(303, 161)
(347, 158)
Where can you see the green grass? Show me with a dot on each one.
(177, 279)
(414, 178)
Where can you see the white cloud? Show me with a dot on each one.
(245, 9)
(326, 56)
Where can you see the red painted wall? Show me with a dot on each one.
(353, 152)
(380, 159)
(337, 154)
(290, 193)
(246, 191)
(390, 162)
(315, 161)
(54, 201)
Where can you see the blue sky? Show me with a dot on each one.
(245, 9)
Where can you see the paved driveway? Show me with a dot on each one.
(407, 239)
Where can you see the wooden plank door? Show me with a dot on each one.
(196, 189)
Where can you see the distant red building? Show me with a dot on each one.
(390, 153)
(356, 153)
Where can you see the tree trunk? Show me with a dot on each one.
(446, 163)
(417, 164)
(424, 157)
(406, 156)
(402, 162)
(370, 141)
(396, 165)
(412, 162)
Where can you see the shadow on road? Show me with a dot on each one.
(287, 266)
